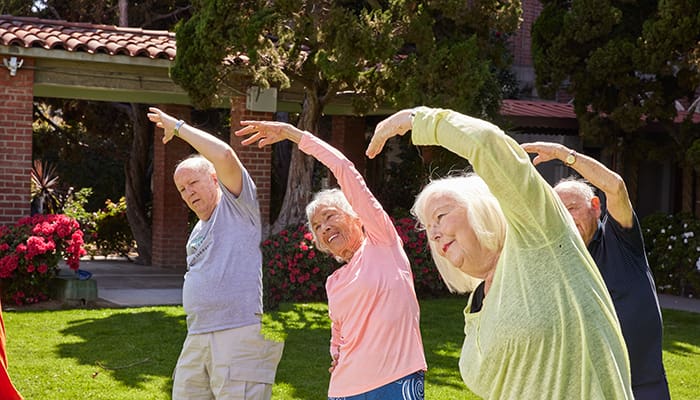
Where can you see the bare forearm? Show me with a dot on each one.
(603, 178)
(212, 148)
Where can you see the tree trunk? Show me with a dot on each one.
(298, 191)
(138, 180)
(123, 12)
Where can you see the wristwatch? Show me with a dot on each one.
(570, 158)
(178, 125)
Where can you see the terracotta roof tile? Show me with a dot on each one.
(537, 108)
(88, 38)
(549, 109)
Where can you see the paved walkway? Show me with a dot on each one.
(127, 284)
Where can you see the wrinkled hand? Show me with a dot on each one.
(397, 124)
(334, 362)
(163, 121)
(545, 151)
(266, 133)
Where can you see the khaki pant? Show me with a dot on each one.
(233, 364)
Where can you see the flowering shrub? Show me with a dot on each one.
(30, 251)
(426, 277)
(673, 251)
(294, 270)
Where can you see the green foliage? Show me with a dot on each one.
(74, 207)
(626, 62)
(448, 53)
(30, 251)
(148, 14)
(16, 7)
(112, 234)
(673, 251)
(404, 175)
(295, 271)
(65, 136)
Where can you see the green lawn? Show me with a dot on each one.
(130, 353)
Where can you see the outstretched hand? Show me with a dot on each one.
(397, 124)
(545, 151)
(163, 121)
(266, 133)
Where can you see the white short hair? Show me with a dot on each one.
(578, 185)
(196, 162)
(327, 198)
(485, 216)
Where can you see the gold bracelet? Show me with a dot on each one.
(178, 125)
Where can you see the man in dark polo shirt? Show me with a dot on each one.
(617, 246)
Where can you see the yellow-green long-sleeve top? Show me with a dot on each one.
(547, 328)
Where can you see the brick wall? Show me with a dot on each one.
(170, 213)
(16, 116)
(257, 161)
(348, 136)
(522, 40)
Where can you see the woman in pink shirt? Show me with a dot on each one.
(376, 345)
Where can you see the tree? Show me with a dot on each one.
(627, 64)
(397, 52)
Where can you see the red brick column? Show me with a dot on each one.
(348, 136)
(257, 161)
(170, 213)
(16, 116)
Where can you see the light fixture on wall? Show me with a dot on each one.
(13, 65)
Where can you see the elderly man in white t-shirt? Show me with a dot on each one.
(224, 355)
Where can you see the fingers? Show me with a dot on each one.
(260, 132)
(375, 146)
(334, 363)
(252, 139)
(248, 128)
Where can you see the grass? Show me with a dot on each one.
(130, 353)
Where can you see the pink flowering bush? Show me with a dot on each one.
(295, 271)
(30, 251)
(426, 277)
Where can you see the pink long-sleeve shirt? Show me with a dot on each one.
(375, 317)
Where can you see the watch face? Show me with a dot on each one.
(570, 159)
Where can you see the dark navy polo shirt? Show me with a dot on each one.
(622, 262)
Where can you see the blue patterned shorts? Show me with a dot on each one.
(410, 387)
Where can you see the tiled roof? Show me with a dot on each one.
(548, 109)
(83, 37)
(537, 108)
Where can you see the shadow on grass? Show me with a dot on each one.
(303, 370)
(680, 332)
(132, 345)
(442, 328)
(306, 331)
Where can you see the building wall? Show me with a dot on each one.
(16, 117)
(521, 46)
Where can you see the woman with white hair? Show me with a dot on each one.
(547, 328)
(376, 344)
